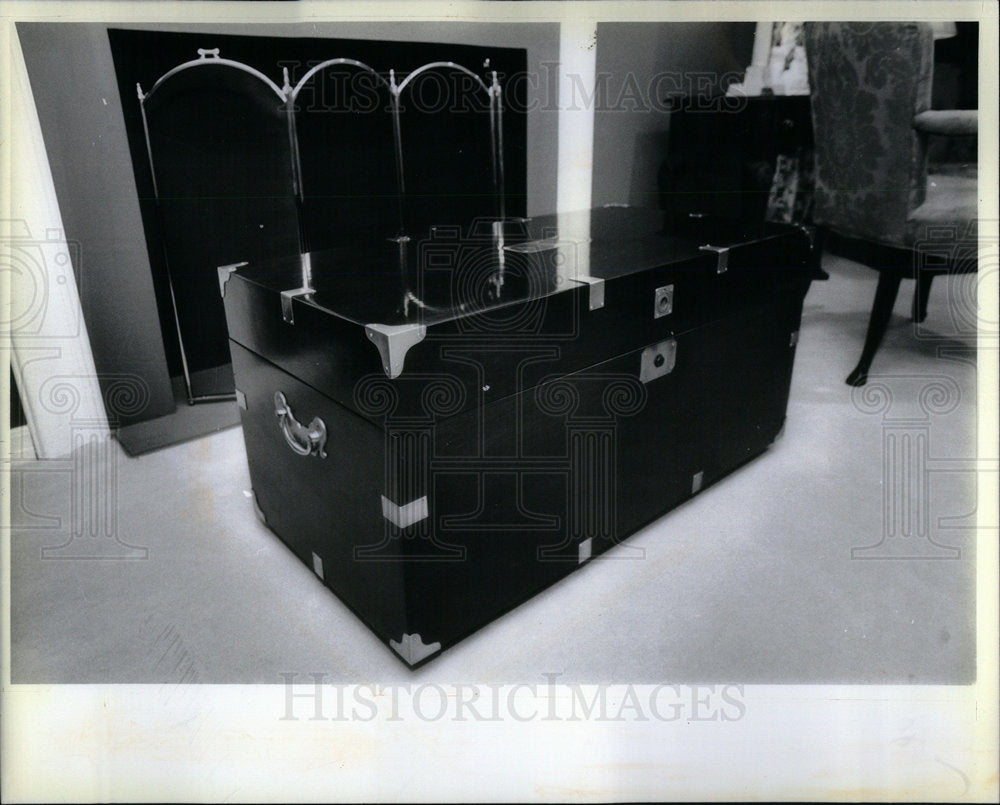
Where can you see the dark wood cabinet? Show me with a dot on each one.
(437, 467)
(739, 159)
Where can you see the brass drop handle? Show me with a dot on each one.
(306, 441)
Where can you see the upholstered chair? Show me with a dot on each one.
(872, 119)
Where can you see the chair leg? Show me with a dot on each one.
(921, 293)
(885, 298)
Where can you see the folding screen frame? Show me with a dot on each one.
(206, 58)
(287, 95)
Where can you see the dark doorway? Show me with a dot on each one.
(17, 417)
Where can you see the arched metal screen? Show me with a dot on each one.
(221, 160)
(348, 159)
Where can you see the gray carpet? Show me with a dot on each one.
(816, 563)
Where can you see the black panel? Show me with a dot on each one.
(597, 457)
(723, 152)
(447, 150)
(347, 153)
(329, 505)
(219, 147)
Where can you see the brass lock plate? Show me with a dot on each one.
(663, 301)
(658, 360)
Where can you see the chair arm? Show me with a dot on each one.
(948, 122)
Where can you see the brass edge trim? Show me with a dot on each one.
(294, 93)
(407, 514)
(225, 272)
(413, 649)
(257, 509)
(211, 56)
(450, 64)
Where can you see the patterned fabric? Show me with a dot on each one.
(868, 81)
(784, 189)
(951, 203)
(790, 200)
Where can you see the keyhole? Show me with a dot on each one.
(658, 361)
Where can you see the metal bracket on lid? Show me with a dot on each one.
(722, 256)
(225, 272)
(596, 291)
(393, 342)
(241, 399)
(287, 313)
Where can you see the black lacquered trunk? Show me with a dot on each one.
(441, 440)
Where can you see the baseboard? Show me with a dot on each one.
(186, 422)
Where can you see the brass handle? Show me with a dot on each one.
(306, 441)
